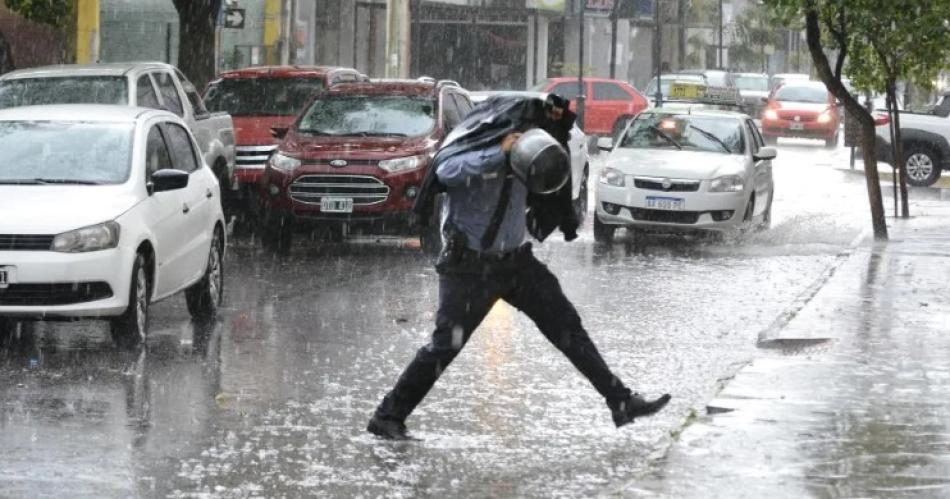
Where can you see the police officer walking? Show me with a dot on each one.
(492, 175)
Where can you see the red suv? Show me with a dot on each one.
(261, 98)
(608, 106)
(801, 109)
(356, 157)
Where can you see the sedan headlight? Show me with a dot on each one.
(728, 183)
(402, 164)
(92, 238)
(611, 176)
(824, 117)
(770, 114)
(285, 163)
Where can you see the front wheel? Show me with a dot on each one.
(603, 233)
(204, 297)
(832, 142)
(131, 328)
(921, 165)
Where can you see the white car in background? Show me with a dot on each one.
(685, 170)
(580, 161)
(105, 210)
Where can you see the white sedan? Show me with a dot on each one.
(103, 211)
(580, 161)
(685, 170)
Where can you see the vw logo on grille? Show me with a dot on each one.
(338, 163)
(667, 183)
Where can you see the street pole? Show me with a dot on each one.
(658, 47)
(580, 66)
(721, 62)
(613, 40)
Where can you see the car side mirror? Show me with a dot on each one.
(168, 179)
(765, 154)
(605, 144)
(279, 132)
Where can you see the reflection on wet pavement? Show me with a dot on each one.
(275, 402)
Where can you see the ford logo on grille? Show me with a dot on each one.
(338, 163)
(667, 184)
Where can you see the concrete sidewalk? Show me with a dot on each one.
(850, 396)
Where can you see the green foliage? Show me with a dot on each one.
(754, 31)
(884, 40)
(51, 12)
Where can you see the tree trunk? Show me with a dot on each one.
(6, 56)
(898, 146)
(868, 136)
(196, 39)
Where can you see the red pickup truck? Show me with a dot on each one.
(260, 98)
(355, 158)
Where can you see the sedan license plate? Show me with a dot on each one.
(336, 205)
(796, 126)
(664, 203)
(7, 276)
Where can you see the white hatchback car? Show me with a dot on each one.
(684, 170)
(103, 211)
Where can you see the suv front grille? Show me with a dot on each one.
(25, 242)
(252, 157)
(364, 190)
(54, 294)
(675, 185)
(665, 216)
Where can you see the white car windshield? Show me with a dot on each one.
(369, 116)
(65, 152)
(754, 83)
(64, 90)
(685, 132)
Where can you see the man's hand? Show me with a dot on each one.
(509, 141)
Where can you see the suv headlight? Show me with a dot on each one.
(92, 238)
(727, 183)
(611, 176)
(402, 164)
(284, 163)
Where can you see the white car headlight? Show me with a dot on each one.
(92, 238)
(402, 164)
(285, 163)
(611, 176)
(727, 183)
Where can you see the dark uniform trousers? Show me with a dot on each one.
(467, 294)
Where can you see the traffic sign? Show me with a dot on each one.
(234, 18)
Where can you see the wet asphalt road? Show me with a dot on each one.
(275, 403)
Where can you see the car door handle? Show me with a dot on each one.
(184, 208)
(209, 194)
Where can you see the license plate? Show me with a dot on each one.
(796, 126)
(336, 205)
(7, 276)
(663, 203)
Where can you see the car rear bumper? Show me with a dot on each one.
(51, 284)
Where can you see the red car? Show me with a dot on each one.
(609, 104)
(260, 98)
(355, 158)
(803, 109)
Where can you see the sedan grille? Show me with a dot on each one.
(665, 216)
(364, 190)
(54, 294)
(25, 242)
(252, 157)
(674, 185)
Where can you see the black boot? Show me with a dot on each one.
(635, 407)
(389, 429)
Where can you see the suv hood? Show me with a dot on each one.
(663, 163)
(319, 146)
(53, 209)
